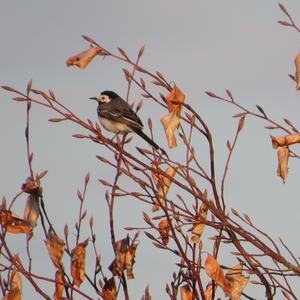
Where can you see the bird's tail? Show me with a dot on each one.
(149, 141)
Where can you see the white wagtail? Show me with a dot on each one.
(116, 116)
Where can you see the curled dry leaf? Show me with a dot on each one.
(31, 187)
(215, 272)
(130, 260)
(32, 211)
(118, 264)
(297, 73)
(82, 59)
(13, 224)
(59, 285)
(163, 184)
(164, 229)
(199, 227)
(208, 291)
(186, 293)
(233, 283)
(109, 291)
(286, 140)
(283, 155)
(55, 247)
(15, 286)
(125, 258)
(237, 280)
(171, 121)
(78, 262)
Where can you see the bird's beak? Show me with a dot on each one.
(93, 98)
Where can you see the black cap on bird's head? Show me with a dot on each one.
(105, 97)
(110, 94)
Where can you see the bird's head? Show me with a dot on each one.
(105, 97)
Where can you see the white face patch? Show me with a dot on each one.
(103, 98)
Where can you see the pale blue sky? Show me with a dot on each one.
(201, 45)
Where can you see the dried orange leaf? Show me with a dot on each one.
(117, 266)
(59, 285)
(157, 177)
(32, 211)
(283, 155)
(109, 291)
(163, 183)
(199, 227)
(286, 140)
(215, 272)
(56, 247)
(171, 121)
(164, 229)
(31, 187)
(166, 182)
(208, 291)
(13, 224)
(16, 280)
(125, 255)
(297, 73)
(186, 293)
(237, 280)
(82, 59)
(15, 287)
(78, 262)
(175, 95)
(130, 260)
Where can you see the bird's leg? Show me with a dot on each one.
(121, 140)
(115, 136)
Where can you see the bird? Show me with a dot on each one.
(116, 116)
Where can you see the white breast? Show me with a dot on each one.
(114, 127)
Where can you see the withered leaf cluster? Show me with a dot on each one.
(78, 262)
(13, 224)
(125, 258)
(171, 121)
(163, 183)
(56, 249)
(282, 143)
(232, 283)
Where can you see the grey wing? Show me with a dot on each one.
(125, 115)
(132, 119)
